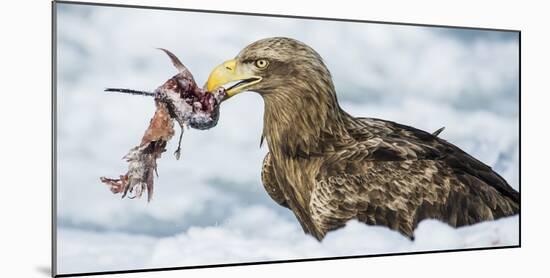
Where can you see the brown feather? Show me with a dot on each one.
(329, 167)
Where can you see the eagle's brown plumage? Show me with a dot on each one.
(329, 167)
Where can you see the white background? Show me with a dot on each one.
(26, 138)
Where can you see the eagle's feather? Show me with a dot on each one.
(396, 176)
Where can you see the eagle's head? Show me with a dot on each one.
(299, 96)
(270, 66)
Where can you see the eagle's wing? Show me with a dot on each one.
(396, 176)
(270, 183)
(401, 142)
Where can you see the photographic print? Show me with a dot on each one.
(187, 138)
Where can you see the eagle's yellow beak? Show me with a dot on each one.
(233, 79)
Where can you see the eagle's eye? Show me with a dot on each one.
(261, 63)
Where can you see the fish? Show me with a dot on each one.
(178, 100)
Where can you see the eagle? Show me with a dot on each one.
(329, 167)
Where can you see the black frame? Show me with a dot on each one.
(54, 137)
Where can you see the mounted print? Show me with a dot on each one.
(188, 138)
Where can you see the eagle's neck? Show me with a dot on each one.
(302, 122)
(303, 119)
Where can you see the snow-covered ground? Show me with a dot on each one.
(211, 209)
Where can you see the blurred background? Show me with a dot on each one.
(210, 207)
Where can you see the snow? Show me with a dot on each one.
(257, 233)
(211, 209)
